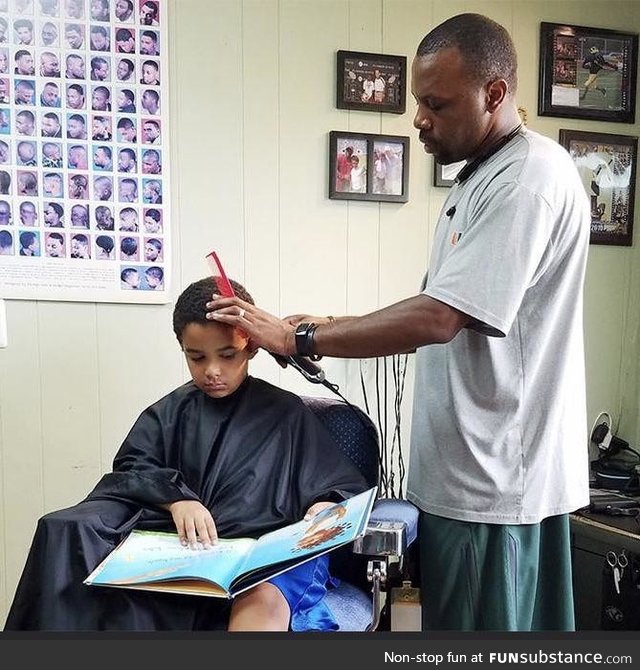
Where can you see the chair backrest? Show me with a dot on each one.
(354, 432)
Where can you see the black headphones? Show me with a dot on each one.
(470, 168)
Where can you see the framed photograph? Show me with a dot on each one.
(445, 175)
(363, 166)
(371, 82)
(607, 166)
(587, 73)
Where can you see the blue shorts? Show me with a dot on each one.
(304, 588)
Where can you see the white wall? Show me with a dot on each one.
(252, 101)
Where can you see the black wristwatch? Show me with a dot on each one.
(305, 345)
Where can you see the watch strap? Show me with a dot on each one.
(305, 344)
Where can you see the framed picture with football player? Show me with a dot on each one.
(587, 73)
(607, 167)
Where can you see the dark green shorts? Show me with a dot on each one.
(481, 576)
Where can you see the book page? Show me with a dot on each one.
(334, 526)
(145, 557)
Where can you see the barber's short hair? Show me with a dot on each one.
(486, 47)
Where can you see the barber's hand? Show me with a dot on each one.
(194, 523)
(295, 319)
(263, 329)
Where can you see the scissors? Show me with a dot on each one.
(618, 562)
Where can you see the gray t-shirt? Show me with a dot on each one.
(499, 430)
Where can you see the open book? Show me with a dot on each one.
(156, 561)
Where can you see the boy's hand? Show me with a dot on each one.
(194, 523)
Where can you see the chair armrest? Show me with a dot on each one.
(392, 527)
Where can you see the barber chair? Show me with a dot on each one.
(385, 557)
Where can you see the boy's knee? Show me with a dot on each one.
(267, 597)
(265, 593)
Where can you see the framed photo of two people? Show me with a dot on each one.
(587, 73)
(364, 166)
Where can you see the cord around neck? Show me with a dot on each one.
(470, 168)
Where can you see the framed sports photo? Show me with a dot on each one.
(607, 167)
(364, 166)
(371, 82)
(587, 73)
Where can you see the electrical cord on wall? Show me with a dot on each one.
(382, 470)
(391, 456)
(399, 375)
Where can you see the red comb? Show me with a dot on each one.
(217, 271)
(224, 285)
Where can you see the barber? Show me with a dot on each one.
(498, 455)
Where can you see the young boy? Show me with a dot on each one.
(224, 455)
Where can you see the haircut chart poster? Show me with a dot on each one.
(84, 152)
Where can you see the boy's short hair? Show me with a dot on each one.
(191, 304)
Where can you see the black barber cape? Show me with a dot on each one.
(257, 459)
